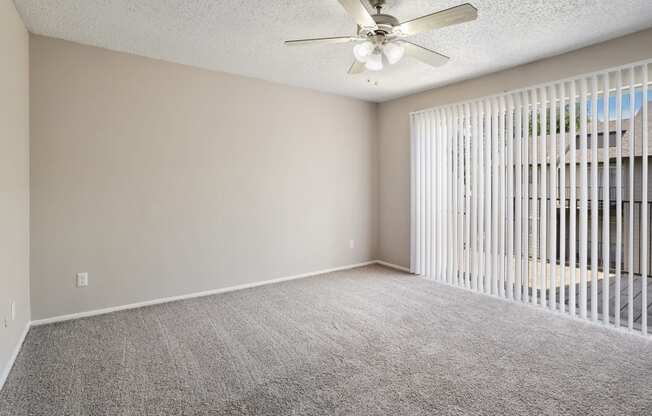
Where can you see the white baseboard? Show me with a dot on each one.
(14, 355)
(61, 318)
(393, 266)
(103, 311)
(5, 373)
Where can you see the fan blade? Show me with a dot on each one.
(358, 12)
(458, 14)
(356, 68)
(341, 39)
(424, 55)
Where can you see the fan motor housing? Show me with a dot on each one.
(385, 26)
(382, 19)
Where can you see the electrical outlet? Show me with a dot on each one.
(82, 279)
(351, 243)
(13, 310)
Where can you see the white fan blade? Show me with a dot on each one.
(341, 39)
(458, 14)
(424, 55)
(359, 13)
(356, 68)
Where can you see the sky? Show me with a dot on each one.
(638, 102)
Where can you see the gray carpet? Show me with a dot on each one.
(369, 341)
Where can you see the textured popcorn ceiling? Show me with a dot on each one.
(246, 36)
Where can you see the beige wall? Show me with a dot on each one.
(14, 180)
(160, 179)
(394, 132)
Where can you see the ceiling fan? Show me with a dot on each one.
(380, 37)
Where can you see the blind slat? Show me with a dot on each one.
(552, 236)
(544, 197)
(562, 198)
(467, 203)
(475, 195)
(518, 198)
(501, 196)
(413, 196)
(460, 196)
(572, 209)
(455, 186)
(487, 194)
(584, 196)
(619, 195)
(605, 201)
(509, 260)
(630, 280)
(526, 195)
(535, 284)
(594, 186)
(644, 208)
(495, 196)
(481, 198)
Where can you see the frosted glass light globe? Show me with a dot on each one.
(394, 52)
(363, 50)
(374, 62)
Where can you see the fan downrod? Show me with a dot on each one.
(385, 22)
(377, 4)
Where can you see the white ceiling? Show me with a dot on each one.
(246, 36)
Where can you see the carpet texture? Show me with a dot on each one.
(368, 341)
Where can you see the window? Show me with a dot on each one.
(509, 200)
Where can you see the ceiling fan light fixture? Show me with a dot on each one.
(380, 37)
(393, 52)
(374, 62)
(363, 50)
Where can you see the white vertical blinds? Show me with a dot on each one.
(540, 196)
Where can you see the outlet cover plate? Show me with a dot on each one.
(82, 279)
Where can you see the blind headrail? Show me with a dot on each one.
(615, 69)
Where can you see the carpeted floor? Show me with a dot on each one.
(369, 341)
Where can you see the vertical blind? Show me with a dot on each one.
(540, 196)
